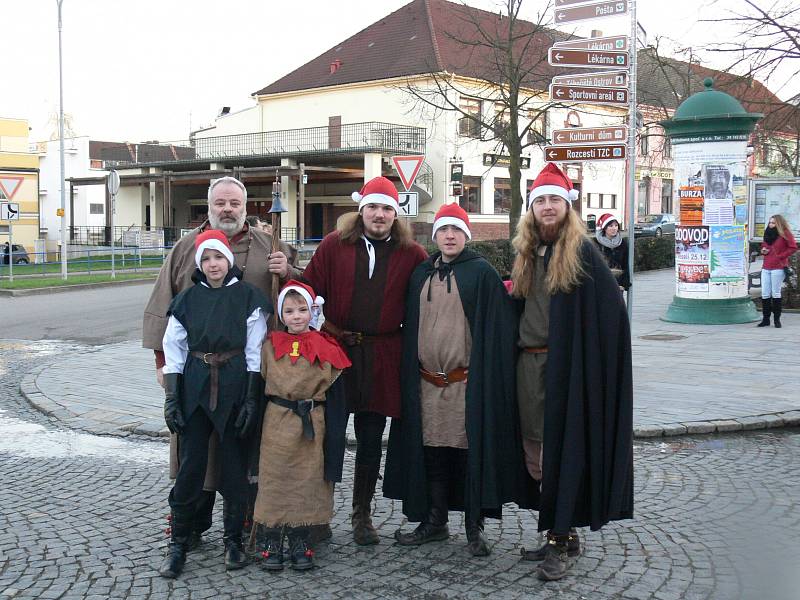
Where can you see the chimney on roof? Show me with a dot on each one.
(224, 111)
(335, 66)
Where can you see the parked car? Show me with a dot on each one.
(656, 225)
(20, 255)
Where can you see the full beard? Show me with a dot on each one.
(549, 233)
(229, 228)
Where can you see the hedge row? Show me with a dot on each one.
(651, 253)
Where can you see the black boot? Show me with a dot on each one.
(556, 561)
(272, 555)
(777, 307)
(573, 548)
(476, 540)
(364, 533)
(233, 521)
(766, 310)
(300, 551)
(434, 527)
(203, 512)
(175, 559)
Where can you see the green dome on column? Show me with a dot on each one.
(710, 112)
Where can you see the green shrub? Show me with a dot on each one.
(654, 253)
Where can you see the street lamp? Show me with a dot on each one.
(61, 150)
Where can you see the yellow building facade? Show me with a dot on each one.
(19, 183)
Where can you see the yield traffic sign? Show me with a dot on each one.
(590, 135)
(584, 153)
(594, 95)
(597, 10)
(567, 57)
(9, 211)
(618, 79)
(614, 42)
(407, 167)
(10, 185)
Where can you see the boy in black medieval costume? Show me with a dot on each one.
(212, 348)
(303, 437)
(457, 444)
(574, 382)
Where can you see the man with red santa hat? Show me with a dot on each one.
(362, 271)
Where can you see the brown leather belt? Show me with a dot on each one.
(442, 380)
(215, 360)
(532, 350)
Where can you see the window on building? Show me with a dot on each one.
(666, 195)
(644, 144)
(96, 209)
(537, 134)
(593, 200)
(467, 126)
(95, 164)
(471, 199)
(502, 196)
(667, 148)
(608, 200)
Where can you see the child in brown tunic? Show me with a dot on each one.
(302, 441)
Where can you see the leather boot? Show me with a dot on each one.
(233, 521)
(203, 512)
(476, 540)
(175, 558)
(364, 533)
(766, 310)
(300, 551)
(556, 561)
(434, 527)
(272, 555)
(777, 307)
(538, 555)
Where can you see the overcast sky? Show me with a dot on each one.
(139, 70)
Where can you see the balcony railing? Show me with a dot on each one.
(351, 138)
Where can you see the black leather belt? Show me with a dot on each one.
(302, 408)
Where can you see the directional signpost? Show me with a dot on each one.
(601, 59)
(596, 10)
(618, 79)
(408, 168)
(592, 95)
(584, 153)
(590, 135)
(615, 42)
(9, 211)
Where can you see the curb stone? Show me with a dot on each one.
(57, 289)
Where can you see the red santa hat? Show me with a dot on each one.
(551, 180)
(378, 190)
(305, 290)
(605, 220)
(451, 214)
(212, 239)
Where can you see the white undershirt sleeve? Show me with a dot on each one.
(176, 346)
(256, 332)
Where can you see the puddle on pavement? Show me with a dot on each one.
(25, 349)
(29, 440)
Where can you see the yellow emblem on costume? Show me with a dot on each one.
(295, 349)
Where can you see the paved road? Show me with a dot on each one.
(98, 316)
(82, 517)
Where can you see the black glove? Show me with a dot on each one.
(247, 414)
(173, 414)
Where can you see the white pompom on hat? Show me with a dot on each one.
(451, 214)
(305, 290)
(212, 239)
(378, 190)
(552, 180)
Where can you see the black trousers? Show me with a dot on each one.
(369, 428)
(187, 493)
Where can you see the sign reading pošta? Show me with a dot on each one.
(9, 211)
(596, 10)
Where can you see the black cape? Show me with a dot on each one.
(215, 320)
(495, 465)
(587, 467)
(336, 416)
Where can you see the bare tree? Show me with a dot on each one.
(503, 64)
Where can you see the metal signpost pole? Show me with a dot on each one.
(113, 188)
(61, 150)
(10, 252)
(632, 154)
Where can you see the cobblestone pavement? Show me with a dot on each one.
(83, 516)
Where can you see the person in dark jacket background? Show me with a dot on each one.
(614, 249)
(778, 245)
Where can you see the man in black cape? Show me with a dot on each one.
(457, 444)
(574, 381)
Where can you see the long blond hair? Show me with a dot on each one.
(351, 228)
(564, 271)
(781, 224)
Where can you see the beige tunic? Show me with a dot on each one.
(533, 332)
(444, 344)
(292, 490)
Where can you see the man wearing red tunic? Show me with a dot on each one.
(362, 269)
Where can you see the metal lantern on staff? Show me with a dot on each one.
(275, 211)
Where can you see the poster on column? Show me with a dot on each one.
(727, 253)
(718, 194)
(693, 278)
(691, 244)
(691, 204)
